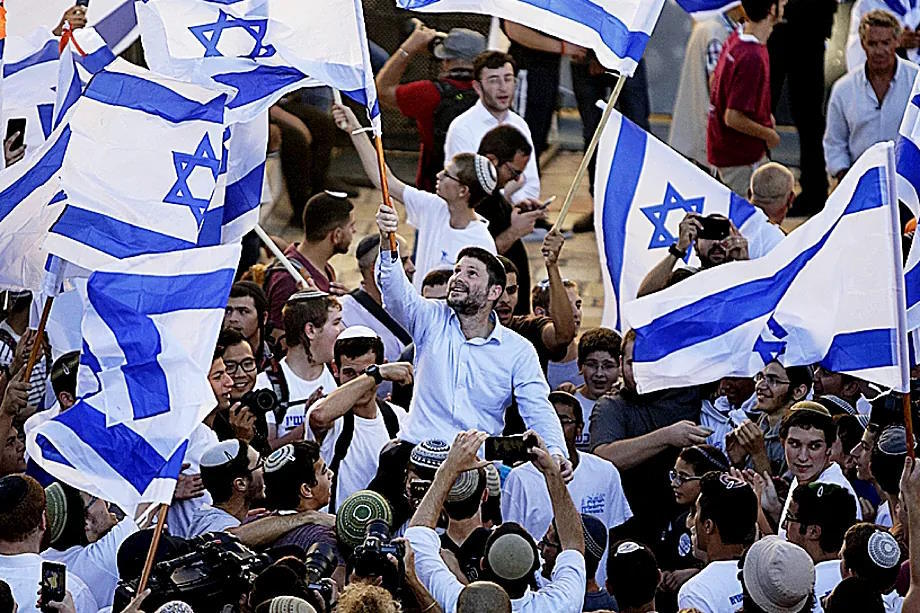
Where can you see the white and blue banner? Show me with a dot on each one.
(642, 190)
(149, 330)
(30, 75)
(907, 154)
(257, 50)
(617, 30)
(706, 9)
(84, 54)
(813, 299)
(113, 19)
(129, 119)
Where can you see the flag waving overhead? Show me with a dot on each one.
(705, 9)
(257, 50)
(149, 330)
(617, 30)
(642, 190)
(907, 153)
(813, 299)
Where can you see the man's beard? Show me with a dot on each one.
(470, 304)
(340, 248)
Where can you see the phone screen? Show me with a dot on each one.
(54, 583)
(14, 125)
(508, 448)
(84, 3)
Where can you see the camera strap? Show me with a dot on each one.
(382, 316)
(280, 387)
(390, 421)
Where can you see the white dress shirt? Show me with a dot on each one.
(468, 128)
(565, 593)
(23, 573)
(856, 120)
(463, 383)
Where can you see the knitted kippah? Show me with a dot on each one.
(511, 557)
(465, 486)
(310, 294)
(13, 488)
(356, 512)
(222, 453)
(884, 550)
(493, 480)
(595, 536)
(429, 454)
(356, 332)
(55, 511)
(290, 604)
(486, 173)
(279, 458)
(175, 606)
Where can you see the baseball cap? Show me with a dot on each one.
(460, 44)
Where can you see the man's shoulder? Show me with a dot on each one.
(524, 473)
(909, 68)
(518, 122)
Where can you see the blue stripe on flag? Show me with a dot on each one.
(863, 349)
(622, 180)
(112, 236)
(716, 314)
(698, 6)
(244, 195)
(46, 118)
(58, 197)
(739, 210)
(97, 60)
(48, 53)
(74, 89)
(115, 27)
(129, 91)
(125, 303)
(912, 286)
(908, 161)
(259, 83)
(42, 172)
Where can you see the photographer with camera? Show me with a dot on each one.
(352, 424)
(245, 417)
(510, 557)
(432, 104)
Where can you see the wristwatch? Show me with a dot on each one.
(676, 251)
(373, 371)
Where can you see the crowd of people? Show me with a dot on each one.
(448, 436)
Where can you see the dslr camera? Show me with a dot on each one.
(320, 563)
(260, 401)
(370, 557)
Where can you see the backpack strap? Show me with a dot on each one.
(382, 316)
(280, 386)
(338, 454)
(389, 417)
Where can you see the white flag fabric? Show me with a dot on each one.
(257, 50)
(149, 330)
(30, 73)
(84, 54)
(814, 299)
(617, 30)
(113, 19)
(642, 190)
(907, 154)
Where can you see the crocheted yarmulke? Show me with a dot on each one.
(465, 486)
(493, 480)
(429, 454)
(55, 511)
(356, 512)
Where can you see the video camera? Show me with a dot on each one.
(215, 573)
(370, 558)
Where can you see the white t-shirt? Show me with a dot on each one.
(715, 589)
(583, 442)
(893, 602)
(558, 373)
(883, 516)
(827, 576)
(23, 573)
(831, 474)
(181, 512)
(359, 465)
(595, 489)
(438, 243)
(298, 389)
(210, 519)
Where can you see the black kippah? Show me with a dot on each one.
(13, 489)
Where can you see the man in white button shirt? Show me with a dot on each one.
(467, 364)
(866, 105)
(819, 515)
(510, 556)
(22, 527)
(493, 80)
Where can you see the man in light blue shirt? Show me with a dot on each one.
(467, 364)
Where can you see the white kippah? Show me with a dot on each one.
(221, 453)
(486, 173)
(357, 332)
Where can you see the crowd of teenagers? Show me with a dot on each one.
(448, 436)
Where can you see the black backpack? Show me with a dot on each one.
(454, 102)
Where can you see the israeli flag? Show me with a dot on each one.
(130, 119)
(149, 330)
(642, 190)
(113, 19)
(30, 200)
(907, 153)
(257, 50)
(831, 293)
(30, 72)
(617, 30)
(85, 53)
(706, 9)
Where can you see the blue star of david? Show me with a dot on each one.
(180, 193)
(208, 34)
(769, 349)
(658, 215)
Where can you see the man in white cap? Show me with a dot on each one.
(778, 577)
(352, 424)
(231, 471)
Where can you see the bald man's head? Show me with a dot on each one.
(483, 596)
(772, 190)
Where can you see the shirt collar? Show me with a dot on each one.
(897, 71)
(748, 38)
(20, 560)
(486, 116)
(497, 333)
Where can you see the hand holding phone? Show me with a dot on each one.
(15, 126)
(510, 449)
(53, 585)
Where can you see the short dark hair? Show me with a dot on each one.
(539, 295)
(469, 177)
(438, 276)
(218, 480)
(355, 347)
(466, 508)
(249, 289)
(228, 338)
(799, 375)
(323, 214)
(504, 142)
(22, 507)
(6, 598)
(282, 483)
(704, 459)
(493, 266)
(828, 506)
(758, 10)
(857, 559)
(64, 373)
(632, 573)
(808, 419)
(854, 594)
(849, 430)
(492, 60)
(887, 469)
(510, 267)
(731, 505)
(298, 313)
(598, 339)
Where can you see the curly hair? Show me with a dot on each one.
(364, 598)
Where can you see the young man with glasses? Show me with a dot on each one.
(595, 487)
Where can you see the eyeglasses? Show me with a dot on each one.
(450, 176)
(544, 542)
(679, 479)
(511, 290)
(248, 365)
(92, 501)
(790, 518)
(567, 421)
(515, 173)
(772, 380)
(258, 465)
